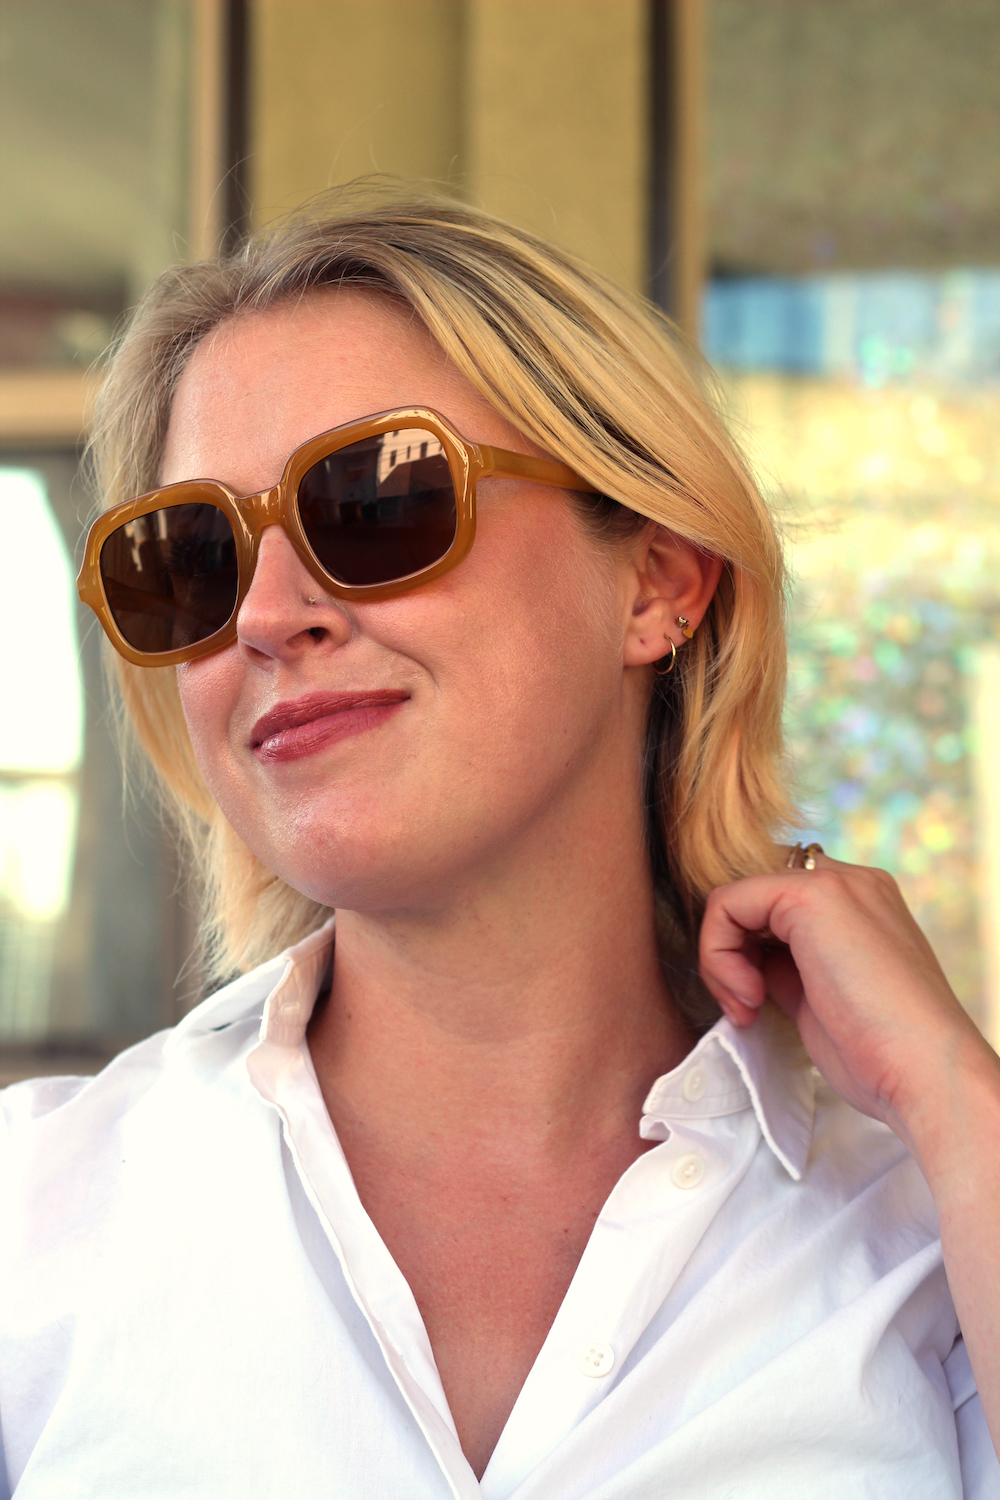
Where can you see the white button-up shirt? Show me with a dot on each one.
(194, 1302)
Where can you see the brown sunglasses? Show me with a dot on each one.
(373, 508)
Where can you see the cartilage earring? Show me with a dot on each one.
(686, 630)
(665, 671)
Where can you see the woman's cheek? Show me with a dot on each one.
(206, 695)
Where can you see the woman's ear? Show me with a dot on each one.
(670, 581)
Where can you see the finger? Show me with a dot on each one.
(783, 982)
(771, 902)
(736, 1011)
(731, 958)
(731, 966)
(739, 1010)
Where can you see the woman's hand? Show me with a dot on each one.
(882, 1024)
(853, 970)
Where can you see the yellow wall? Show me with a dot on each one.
(536, 109)
(341, 88)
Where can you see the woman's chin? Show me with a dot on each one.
(373, 875)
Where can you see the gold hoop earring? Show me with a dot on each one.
(686, 630)
(666, 671)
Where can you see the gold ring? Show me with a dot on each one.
(809, 854)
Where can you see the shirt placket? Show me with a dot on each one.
(282, 1071)
(653, 1220)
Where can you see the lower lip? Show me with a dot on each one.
(320, 734)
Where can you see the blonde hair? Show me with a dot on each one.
(592, 375)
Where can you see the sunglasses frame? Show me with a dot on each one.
(250, 514)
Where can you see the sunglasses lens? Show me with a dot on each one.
(170, 576)
(381, 509)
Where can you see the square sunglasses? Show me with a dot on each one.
(373, 508)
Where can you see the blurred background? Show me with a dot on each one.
(808, 186)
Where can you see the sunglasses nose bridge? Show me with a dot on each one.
(265, 509)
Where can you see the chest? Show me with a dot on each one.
(489, 1252)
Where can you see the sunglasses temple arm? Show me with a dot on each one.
(522, 466)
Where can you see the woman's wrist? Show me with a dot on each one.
(949, 1113)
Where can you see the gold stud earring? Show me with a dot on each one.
(665, 671)
(686, 630)
(311, 599)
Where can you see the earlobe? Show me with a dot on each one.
(673, 582)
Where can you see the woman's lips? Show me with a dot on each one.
(305, 725)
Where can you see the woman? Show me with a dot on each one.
(503, 1198)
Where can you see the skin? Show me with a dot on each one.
(498, 1011)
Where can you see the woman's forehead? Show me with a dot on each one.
(262, 383)
(325, 315)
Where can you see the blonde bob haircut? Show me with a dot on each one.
(592, 375)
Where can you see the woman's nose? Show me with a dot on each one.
(286, 612)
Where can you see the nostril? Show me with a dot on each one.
(317, 632)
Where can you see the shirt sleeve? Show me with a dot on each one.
(976, 1455)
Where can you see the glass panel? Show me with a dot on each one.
(93, 146)
(854, 310)
(41, 742)
(95, 110)
(91, 932)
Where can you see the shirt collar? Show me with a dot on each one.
(281, 991)
(762, 1067)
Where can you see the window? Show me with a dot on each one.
(93, 929)
(116, 117)
(41, 743)
(854, 311)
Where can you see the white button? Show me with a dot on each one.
(594, 1358)
(694, 1085)
(688, 1170)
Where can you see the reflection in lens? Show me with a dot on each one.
(380, 509)
(171, 576)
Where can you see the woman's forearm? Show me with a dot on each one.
(953, 1126)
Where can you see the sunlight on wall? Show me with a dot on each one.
(890, 498)
(43, 729)
(37, 834)
(41, 744)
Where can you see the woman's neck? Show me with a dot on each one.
(485, 1065)
(529, 1009)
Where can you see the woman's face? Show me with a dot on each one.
(408, 744)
